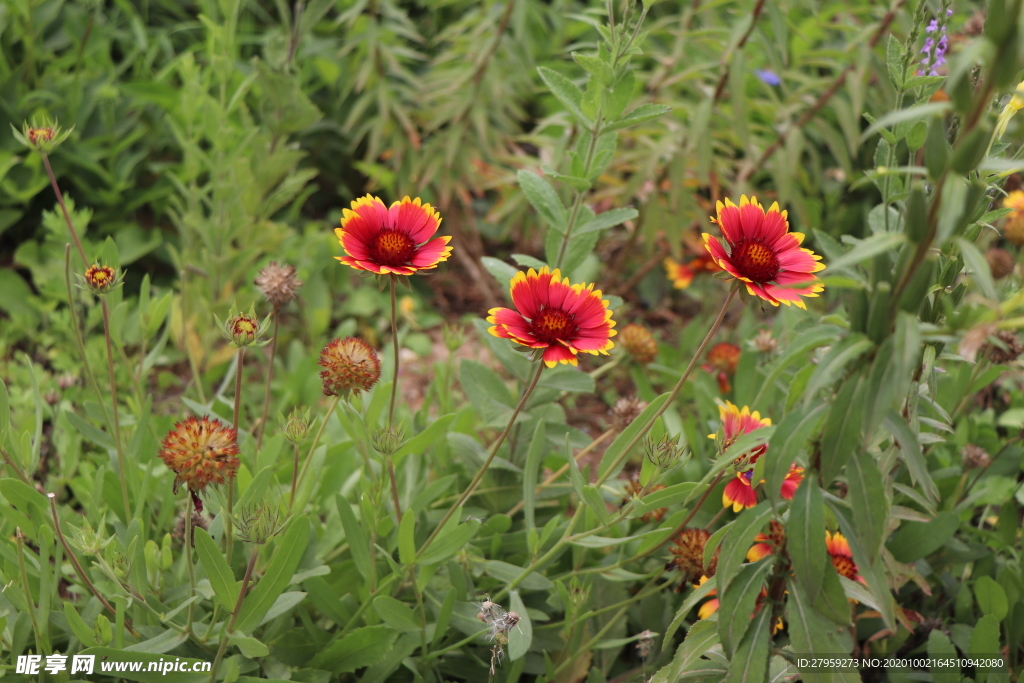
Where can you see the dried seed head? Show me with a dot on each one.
(198, 522)
(101, 279)
(200, 451)
(52, 396)
(765, 342)
(66, 381)
(724, 357)
(645, 644)
(1006, 349)
(278, 283)
(639, 343)
(688, 554)
(974, 457)
(1000, 262)
(625, 411)
(351, 365)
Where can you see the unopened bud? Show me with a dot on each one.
(388, 440)
(100, 279)
(259, 523)
(245, 329)
(454, 336)
(665, 452)
(296, 426)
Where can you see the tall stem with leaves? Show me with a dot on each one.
(225, 637)
(394, 394)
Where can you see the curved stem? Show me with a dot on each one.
(228, 520)
(226, 635)
(316, 440)
(270, 378)
(117, 421)
(675, 390)
(64, 209)
(483, 468)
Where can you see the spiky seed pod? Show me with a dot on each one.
(1007, 350)
(350, 365)
(198, 521)
(639, 343)
(101, 279)
(1000, 262)
(688, 554)
(278, 283)
(663, 453)
(625, 411)
(974, 457)
(296, 426)
(200, 451)
(66, 381)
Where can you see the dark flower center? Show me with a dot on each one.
(755, 260)
(392, 248)
(552, 324)
(845, 566)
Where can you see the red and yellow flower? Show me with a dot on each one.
(842, 558)
(682, 274)
(1013, 228)
(557, 318)
(739, 492)
(763, 253)
(791, 482)
(399, 239)
(766, 544)
(200, 451)
(711, 606)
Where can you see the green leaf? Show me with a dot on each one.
(642, 114)
(865, 249)
(538, 447)
(750, 662)
(940, 648)
(449, 542)
(565, 91)
(894, 61)
(698, 594)
(981, 273)
(362, 647)
(627, 435)
(701, 637)
(596, 66)
(738, 603)
(501, 271)
(810, 632)
(358, 543)
(841, 434)
(805, 536)
(503, 571)
(670, 495)
(406, 540)
(616, 100)
(991, 597)
(291, 546)
(607, 219)
(434, 433)
(985, 637)
(520, 637)
(82, 631)
(249, 646)
(915, 540)
(789, 440)
(217, 570)
(913, 113)
(396, 613)
(866, 495)
(86, 429)
(913, 456)
(737, 542)
(444, 616)
(544, 199)
(834, 363)
(255, 492)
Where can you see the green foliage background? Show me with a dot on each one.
(209, 138)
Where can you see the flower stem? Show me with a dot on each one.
(394, 487)
(64, 209)
(228, 522)
(117, 421)
(316, 442)
(483, 468)
(78, 567)
(295, 473)
(394, 342)
(675, 390)
(27, 588)
(188, 562)
(270, 378)
(225, 636)
(79, 340)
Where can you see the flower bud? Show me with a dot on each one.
(296, 427)
(663, 453)
(388, 440)
(43, 137)
(454, 336)
(259, 523)
(101, 279)
(764, 342)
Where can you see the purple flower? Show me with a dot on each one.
(934, 51)
(768, 76)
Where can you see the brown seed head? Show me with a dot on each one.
(1000, 262)
(639, 343)
(633, 490)
(198, 521)
(765, 342)
(974, 457)
(625, 411)
(66, 381)
(351, 365)
(200, 451)
(688, 554)
(1007, 350)
(278, 283)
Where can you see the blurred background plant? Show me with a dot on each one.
(209, 138)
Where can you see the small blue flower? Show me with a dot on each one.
(768, 76)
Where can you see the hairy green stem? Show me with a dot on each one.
(487, 463)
